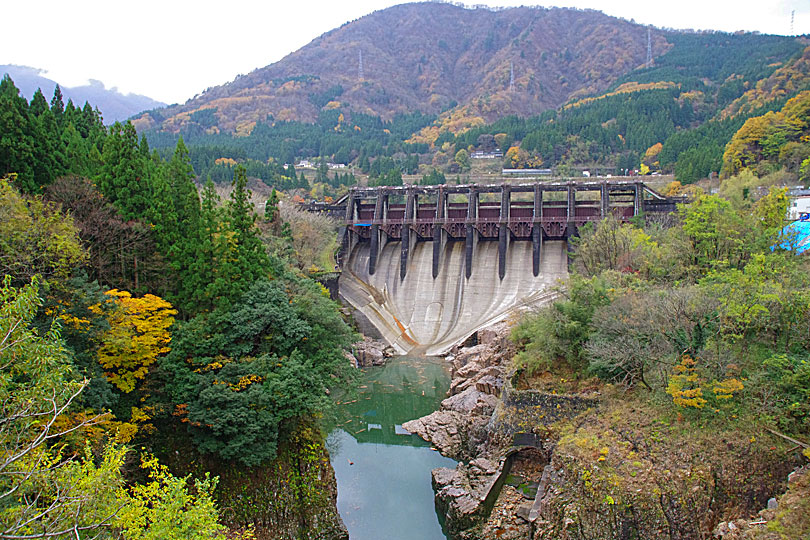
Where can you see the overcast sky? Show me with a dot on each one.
(171, 50)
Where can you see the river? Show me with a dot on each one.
(383, 473)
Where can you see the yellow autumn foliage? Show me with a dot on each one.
(725, 389)
(793, 76)
(653, 150)
(138, 335)
(246, 381)
(625, 88)
(761, 137)
(684, 386)
(243, 129)
(230, 162)
(457, 120)
(673, 189)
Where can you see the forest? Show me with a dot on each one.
(675, 116)
(336, 137)
(142, 321)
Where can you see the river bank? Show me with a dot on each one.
(551, 459)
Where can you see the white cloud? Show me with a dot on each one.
(172, 49)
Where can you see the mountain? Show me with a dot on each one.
(569, 89)
(113, 104)
(428, 57)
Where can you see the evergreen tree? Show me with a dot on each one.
(38, 103)
(206, 255)
(161, 213)
(16, 145)
(122, 178)
(250, 256)
(57, 105)
(94, 123)
(143, 147)
(322, 174)
(271, 207)
(238, 256)
(186, 203)
(49, 159)
(76, 152)
(70, 111)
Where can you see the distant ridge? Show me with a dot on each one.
(112, 104)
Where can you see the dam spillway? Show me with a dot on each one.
(431, 315)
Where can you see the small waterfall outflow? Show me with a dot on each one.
(431, 315)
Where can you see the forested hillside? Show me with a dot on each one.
(150, 317)
(427, 57)
(675, 117)
(563, 89)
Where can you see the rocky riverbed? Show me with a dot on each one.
(542, 464)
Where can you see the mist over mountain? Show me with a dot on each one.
(113, 104)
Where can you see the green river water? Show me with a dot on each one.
(383, 473)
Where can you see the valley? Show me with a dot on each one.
(443, 272)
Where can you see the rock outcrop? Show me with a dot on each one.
(458, 428)
(461, 492)
(371, 352)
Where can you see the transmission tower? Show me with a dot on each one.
(792, 15)
(360, 65)
(649, 49)
(511, 76)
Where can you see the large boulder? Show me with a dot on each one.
(455, 434)
(370, 352)
(471, 401)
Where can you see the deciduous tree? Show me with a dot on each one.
(35, 238)
(138, 335)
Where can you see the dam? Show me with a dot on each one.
(427, 266)
(430, 315)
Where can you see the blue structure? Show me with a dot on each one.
(798, 235)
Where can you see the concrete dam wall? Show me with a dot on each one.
(430, 315)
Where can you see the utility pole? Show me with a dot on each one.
(512, 77)
(649, 49)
